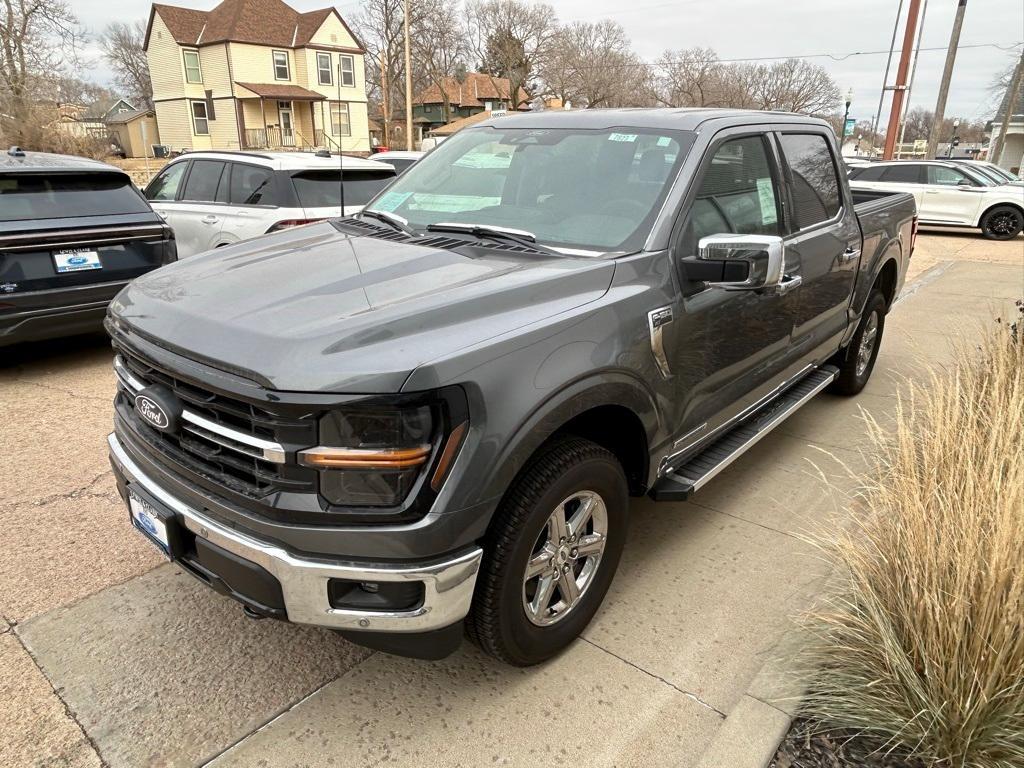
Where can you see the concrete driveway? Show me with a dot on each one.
(108, 656)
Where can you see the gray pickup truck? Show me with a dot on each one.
(428, 419)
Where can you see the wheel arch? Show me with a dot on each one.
(999, 204)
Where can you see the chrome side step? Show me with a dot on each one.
(695, 473)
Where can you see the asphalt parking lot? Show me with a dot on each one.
(110, 656)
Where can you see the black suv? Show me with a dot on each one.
(73, 232)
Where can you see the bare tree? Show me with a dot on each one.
(38, 39)
(796, 85)
(510, 38)
(441, 49)
(121, 44)
(591, 64)
(380, 27)
(693, 77)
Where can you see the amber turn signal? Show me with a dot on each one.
(364, 458)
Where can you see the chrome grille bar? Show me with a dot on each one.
(226, 437)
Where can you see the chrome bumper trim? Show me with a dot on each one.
(250, 445)
(448, 585)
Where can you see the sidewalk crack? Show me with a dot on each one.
(687, 694)
(744, 520)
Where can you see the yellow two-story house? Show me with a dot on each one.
(256, 74)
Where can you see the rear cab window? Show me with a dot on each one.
(25, 196)
(322, 189)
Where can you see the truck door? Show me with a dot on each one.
(824, 239)
(726, 348)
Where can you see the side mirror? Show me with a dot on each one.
(760, 257)
(965, 183)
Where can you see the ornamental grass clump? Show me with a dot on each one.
(921, 647)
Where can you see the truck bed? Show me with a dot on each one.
(867, 201)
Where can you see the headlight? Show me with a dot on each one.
(372, 457)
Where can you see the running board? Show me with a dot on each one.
(691, 476)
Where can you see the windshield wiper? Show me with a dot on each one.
(482, 231)
(397, 222)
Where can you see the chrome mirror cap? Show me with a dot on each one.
(720, 246)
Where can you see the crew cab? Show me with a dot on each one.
(73, 232)
(212, 199)
(948, 193)
(430, 417)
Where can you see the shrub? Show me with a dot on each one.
(921, 647)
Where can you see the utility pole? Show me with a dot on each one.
(385, 96)
(1009, 102)
(408, 82)
(885, 78)
(947, 75)
(901, 80)
(910, 83)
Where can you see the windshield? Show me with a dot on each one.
(589, 190)
(984, 175)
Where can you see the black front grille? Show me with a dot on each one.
(197, 451)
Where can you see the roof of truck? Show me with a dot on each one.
(680, 119)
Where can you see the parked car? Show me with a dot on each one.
(996, 174)
(948, 194)
(212, 199)
(73, 232)
(400, 160)
(434, 414)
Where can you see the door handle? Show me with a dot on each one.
(210, 219)
(788, 284)
(931, 191)
(850, 254)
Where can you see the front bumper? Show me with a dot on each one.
(447, 585)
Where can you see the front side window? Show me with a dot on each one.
(165, 185)
(193, 73)
(203, 180)
(281, 65)
(347, 66)
(815, 185)
(340, 124)
(736, 194)
(593, 190)
(200, 119)
(323, 68)
(947, 177)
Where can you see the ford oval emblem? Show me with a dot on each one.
(77, 260)
(150, 410)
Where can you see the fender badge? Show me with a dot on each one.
(657, 319)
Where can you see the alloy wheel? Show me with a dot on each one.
(867, 344)
(565, 558)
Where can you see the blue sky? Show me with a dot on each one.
(756, 28)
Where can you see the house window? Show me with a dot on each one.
(340, 125)
(323, 68)
(428, 108)
(193, 74)
(347, 67)
(281, 65)
(200, 121)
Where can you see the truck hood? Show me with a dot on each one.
(318, 310)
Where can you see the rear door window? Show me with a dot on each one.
(203, 181)
(815, 184)
(903, 174)
(322, 189)
(250, 185)
(870, 173)
(947, 177)
(60, 196)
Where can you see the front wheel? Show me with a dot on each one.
(551, 553)
(857, 361)
(1004, 222)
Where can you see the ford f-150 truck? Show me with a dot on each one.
(429, 418)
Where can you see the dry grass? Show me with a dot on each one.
(922, 647)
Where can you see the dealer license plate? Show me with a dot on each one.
(146, 519)
(77, 260)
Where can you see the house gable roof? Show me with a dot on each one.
(260, 22)
(474, 92)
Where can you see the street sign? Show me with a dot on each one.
(920, 145)
(850, 125)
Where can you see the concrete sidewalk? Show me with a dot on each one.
(109, 657)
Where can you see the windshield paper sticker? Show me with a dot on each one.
(766, 197)
(390, 201)
(622, 137)
(664, 141)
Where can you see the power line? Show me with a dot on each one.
(845, 56)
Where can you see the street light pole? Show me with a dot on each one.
(956, 124)
(846, 114)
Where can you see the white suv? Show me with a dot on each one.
(212, 199)
(948, 194)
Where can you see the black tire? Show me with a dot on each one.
(1004, 222)
(853, 376)
(498, 621)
